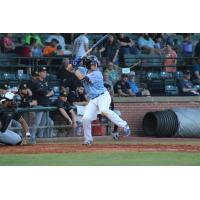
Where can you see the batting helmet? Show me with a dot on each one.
(90, 60)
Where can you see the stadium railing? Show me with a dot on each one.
(106, 123)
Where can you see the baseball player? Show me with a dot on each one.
(100, 98)
(7, 113)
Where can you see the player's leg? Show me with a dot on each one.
(10, 138)
(36, 123)
(90, 114)
(104, 104)
(43, 122)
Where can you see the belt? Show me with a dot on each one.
(97, 96)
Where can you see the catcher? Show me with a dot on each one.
(7, 113)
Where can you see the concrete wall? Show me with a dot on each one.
(133, 109)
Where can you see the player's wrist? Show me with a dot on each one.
(28, 134)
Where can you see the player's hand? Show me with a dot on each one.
(24, 141)
(33, 103)
(70, 122)
(74, 125)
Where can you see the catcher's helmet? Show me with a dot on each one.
(90, 60)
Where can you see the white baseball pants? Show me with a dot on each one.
(100, 105)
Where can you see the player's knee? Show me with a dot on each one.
(103, 112)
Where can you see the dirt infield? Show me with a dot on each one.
(78, 148)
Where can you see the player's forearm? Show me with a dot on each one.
(79, 75)
(64, 114)
(24, 125)
(73, 116)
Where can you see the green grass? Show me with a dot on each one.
(103, 159)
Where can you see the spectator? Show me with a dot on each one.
(110, 50)
(4, 87)
(106, 79)
(31, 83)
(127, 46)
(122, 87)
(50, 48)
(112, 71)
(159, 44)
(187, 49)
(196, 70)
(81, 45)
(25, 95)
(61, 42)
(171, 59)
(197, 50)
(145, 43)
(36, 51)
(134, 88)
(8, 44)
(77, 97)
(186, 86)
(28, 37)
(42, 94)
(187, 46)
(59, 51)
(67, 78)
(65, 110)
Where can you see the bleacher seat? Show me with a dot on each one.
(23, 77)
(197, 87)
(130, 59)
(153, 75)
(8, 77)
(166, 75)
(156, 86)
(179, 75)
(170, 81)
(171, 90)
(51, 77)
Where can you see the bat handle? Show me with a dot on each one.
(87, 52)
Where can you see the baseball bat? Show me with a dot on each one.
(96, 44)
(78, 74)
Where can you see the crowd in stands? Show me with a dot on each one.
(111, 54)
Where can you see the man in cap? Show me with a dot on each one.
(7, 113)
(65, 109)
(122, 87)
(134, 88)
(25, 95)
(3, 89)
(186, 86)
(42, 94)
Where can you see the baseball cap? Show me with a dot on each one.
(55, 40)
(23, 86)
(63, 94)
(4, 86)
(124, 75)
(186, 72)
(42, 69)
(8, 96)
(132, 73)
(34, 73)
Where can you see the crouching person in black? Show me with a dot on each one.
(7, 113)
(65, 110)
